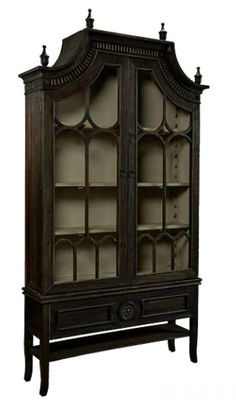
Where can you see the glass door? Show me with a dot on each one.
(87, 187)
(163, 181)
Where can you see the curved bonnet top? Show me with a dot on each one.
(79, 50)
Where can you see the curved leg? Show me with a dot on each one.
(44, 352)
(193, 339)
(28, 343)
(171, 342)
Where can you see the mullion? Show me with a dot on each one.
(154, 257)
(86, 187)
(97, 261)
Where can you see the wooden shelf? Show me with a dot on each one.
(177, 225)
(158, 226)
(152, 226)
(112, 340)
(160, 184)
(153, 184)
(177, 184)
(82, 184)
(80, 230)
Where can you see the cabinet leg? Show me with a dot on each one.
(28, 343)
(44, 352)
(193, 339)
(171, 342)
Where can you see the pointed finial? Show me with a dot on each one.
(89, 20)
(198, 76)
(162, 32)
(44, 58)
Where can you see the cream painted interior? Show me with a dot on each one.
(178, 119)
(103, 106)
(103, 158)
(177, 206)
(70, 111)
(85, 260)
(150, 102)
(149, 206)
(178, 160)
(63, 271)
(150, 160)
(163, 255)
(107, 259)
(69, 158)
(69, 208)
(102, 207)
(182, 253)
(144, 260)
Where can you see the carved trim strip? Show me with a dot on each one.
(75, 73)
(63, 79)
(121, 48)
(185, 93)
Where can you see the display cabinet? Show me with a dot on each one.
(112, 183)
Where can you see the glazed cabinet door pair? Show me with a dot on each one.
(122, 181)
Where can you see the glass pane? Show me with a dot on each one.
(85, 260)
(145, 257)
(177, 205)
(103, 159)
(149, 208)
(85, 178)
(177, 119)
(63, 263)
(182, 253)
(102, 209)
(104, 99)
(69, 211)
(70, 111)
(150, 102)
(69, 158)
(107, 259)
(178, 161)
(163, 255)
(150, 160)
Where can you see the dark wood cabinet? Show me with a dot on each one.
(112, 185)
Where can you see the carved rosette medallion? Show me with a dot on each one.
(127, 310)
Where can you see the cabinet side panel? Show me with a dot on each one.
(195, 190)
(32, 191)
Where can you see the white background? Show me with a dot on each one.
(147, 377)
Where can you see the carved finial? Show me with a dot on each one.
(44, 58)
(162, 32)
(198, 76)
(89, 20)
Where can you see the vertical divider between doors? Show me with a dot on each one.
(132, 169)
(123, 172)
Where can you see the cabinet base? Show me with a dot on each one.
(113, 340)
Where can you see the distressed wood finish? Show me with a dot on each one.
(59, 310)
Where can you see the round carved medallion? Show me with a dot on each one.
(127, 310)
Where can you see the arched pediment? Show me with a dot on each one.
(79, 50)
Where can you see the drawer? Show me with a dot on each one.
(116, 311)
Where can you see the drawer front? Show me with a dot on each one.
(117, 311)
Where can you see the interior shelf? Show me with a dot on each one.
(112, 340)
(160, 184)
(82, 184)
(80, 230)
(158, 226)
